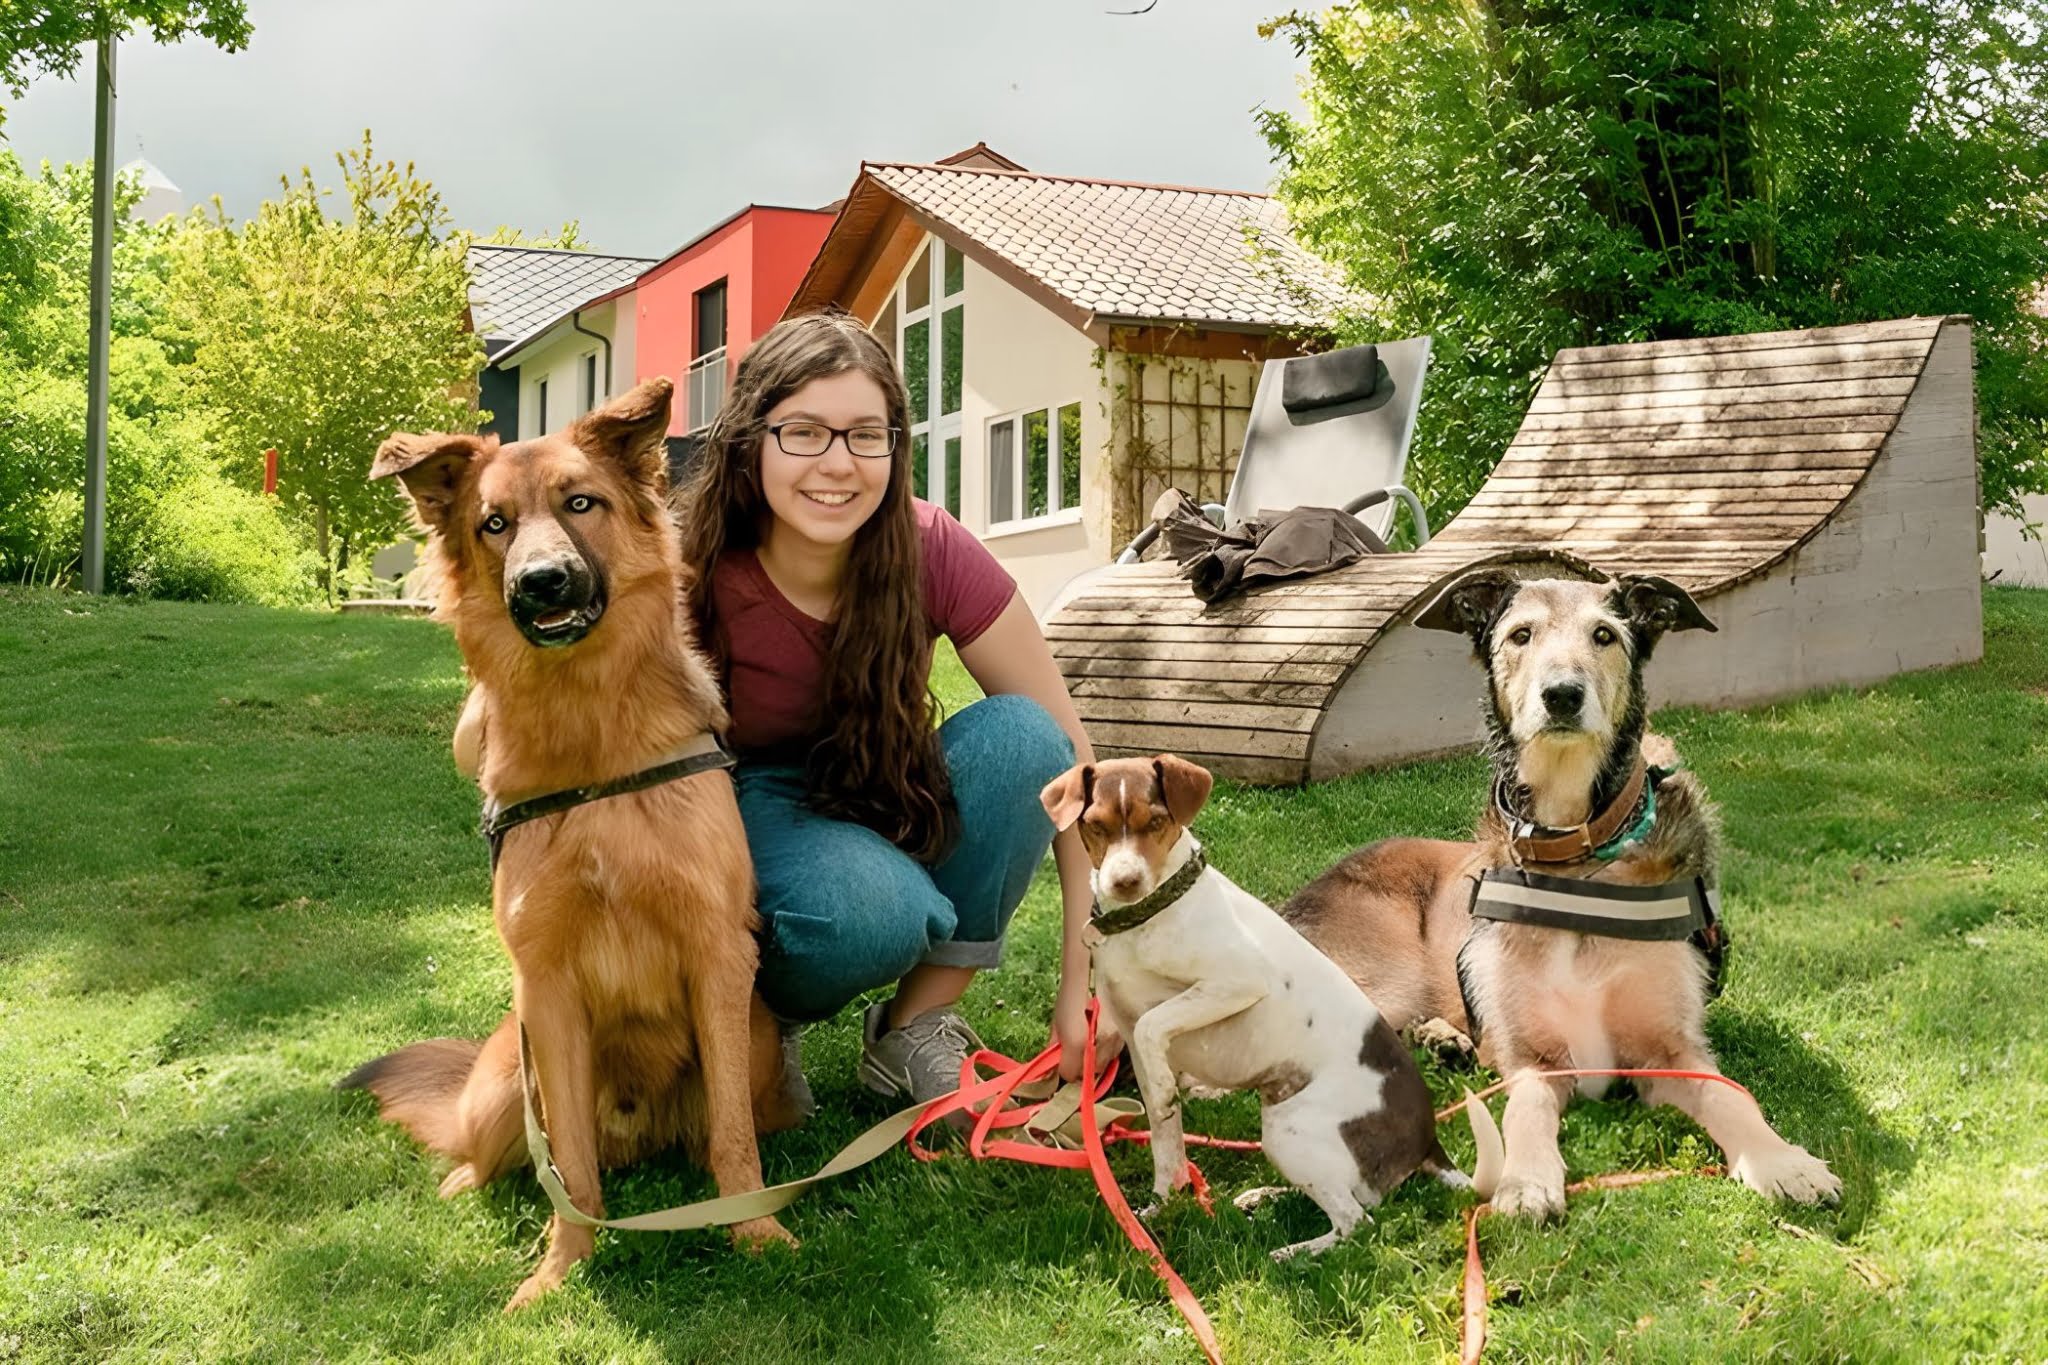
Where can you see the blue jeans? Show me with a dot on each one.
(843, 910)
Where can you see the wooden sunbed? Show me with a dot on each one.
(1815, 490)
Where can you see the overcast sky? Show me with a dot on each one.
(650, 120)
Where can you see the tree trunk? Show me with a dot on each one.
(320, 542)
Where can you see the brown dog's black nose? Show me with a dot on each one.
(1563, 700)
(545, 585)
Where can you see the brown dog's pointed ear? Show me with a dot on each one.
(1655, 605)
(1184, 785)
(1470, 605)
(431, 467)
(633, 430)
(1066, 796)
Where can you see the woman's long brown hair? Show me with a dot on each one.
(878, 762)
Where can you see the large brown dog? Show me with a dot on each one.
(629, 920)
(1582, 794)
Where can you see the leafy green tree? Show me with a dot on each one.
(175, 526)
(39, 38)
(318, 335)
(1516, 176)
(568, 238)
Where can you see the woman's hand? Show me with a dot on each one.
(1070, 1028)
(1070, 1031)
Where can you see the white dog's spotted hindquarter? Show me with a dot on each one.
(1346, 1116)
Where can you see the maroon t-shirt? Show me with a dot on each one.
(777, 652)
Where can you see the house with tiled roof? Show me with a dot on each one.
(558, 329)
(1072, 346)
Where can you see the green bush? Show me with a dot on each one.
(206, 540)
(175, 526)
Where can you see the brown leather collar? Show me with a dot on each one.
(1534, 843)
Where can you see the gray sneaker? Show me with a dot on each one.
(919, 1061)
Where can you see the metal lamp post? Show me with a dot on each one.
(95, 549)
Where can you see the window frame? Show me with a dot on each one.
(1056, 514)
(934, 426)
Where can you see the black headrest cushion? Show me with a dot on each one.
(1323, 381)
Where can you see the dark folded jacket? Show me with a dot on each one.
(1306, 540)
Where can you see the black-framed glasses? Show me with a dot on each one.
(815, 438)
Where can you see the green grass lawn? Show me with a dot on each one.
(235, 860)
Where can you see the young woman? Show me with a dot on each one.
(886, 850)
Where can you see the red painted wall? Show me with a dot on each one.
(761, 254)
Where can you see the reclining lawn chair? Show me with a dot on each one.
(1328, 430)
(1816, 491)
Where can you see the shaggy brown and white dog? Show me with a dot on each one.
(630, 919)
(1581, 794)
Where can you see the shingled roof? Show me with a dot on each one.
(516, 291)
(1102, 252)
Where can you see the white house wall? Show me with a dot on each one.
(1021, 356)
(558, 358)
(2010, 555)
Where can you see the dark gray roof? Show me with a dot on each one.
(515, 291)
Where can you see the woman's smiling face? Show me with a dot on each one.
(824, 499)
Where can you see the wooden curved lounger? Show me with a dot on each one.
(1815, 490)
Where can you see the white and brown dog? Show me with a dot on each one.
(1215, 993)
(1579, 930)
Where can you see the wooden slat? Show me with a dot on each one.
(1638, 433)
(1847, 334)
(1716, 502)
(1202, 690)
(1193, 739)
(1843, 479)
(1060, 629)
(1550, 446)
(1812, 353)
(1856, 391)
(1716, 377)
(1282, 615)
(1236, 767)
(1634, 464)
(1291, 720)
(1216, 650)
(1647, 527)
(1348, 593)
(1167, 672)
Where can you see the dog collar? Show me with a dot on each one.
(1122, 917)
(1626, 820)
(1674, 910)
(699, 754)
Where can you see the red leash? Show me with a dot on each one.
(1472, 1327)
(996, 1094)
(998, 1091)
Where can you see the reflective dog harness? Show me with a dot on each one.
(1679, 909)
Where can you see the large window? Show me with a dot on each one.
(704, 386)
(1034, 466)
(924, 325)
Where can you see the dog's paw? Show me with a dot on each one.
(461, 1180)
(1253, 1198)
(1449, 1045)
(1155, 1208)
(1790, 1173)
(1537, 1200)
(756, 1235)
(541, 1282)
